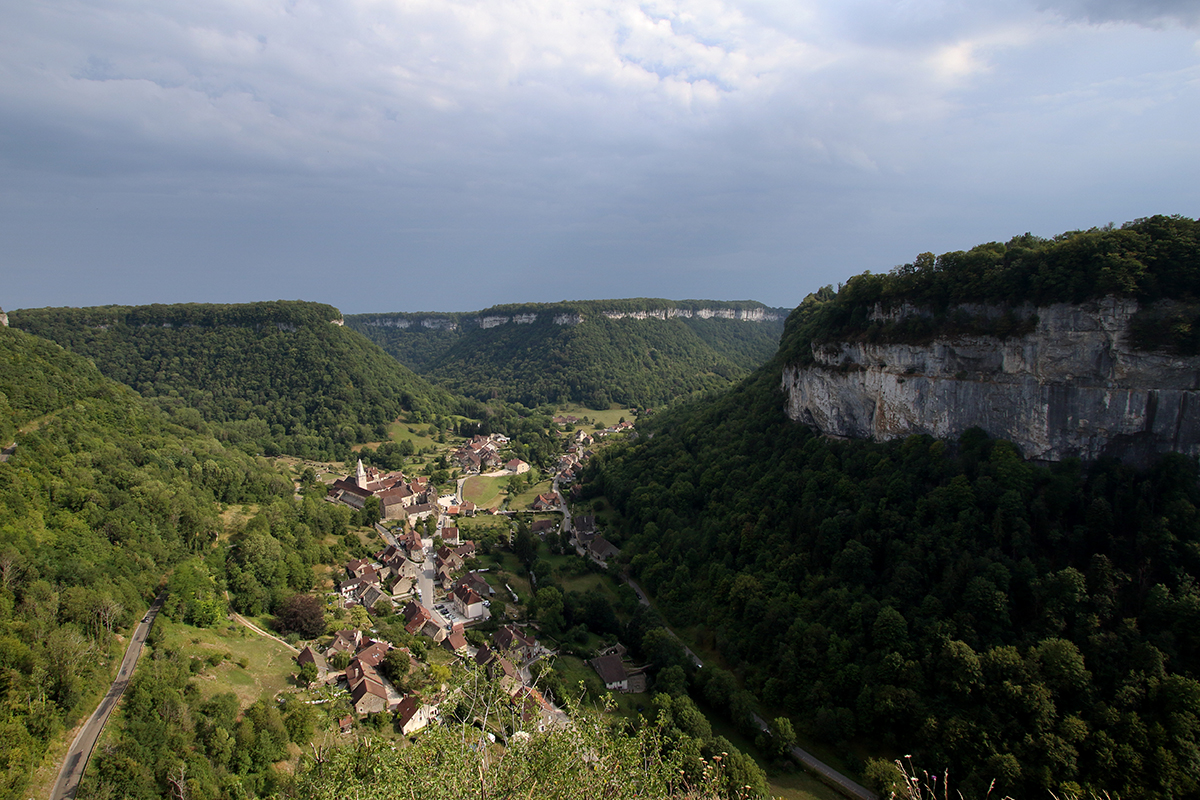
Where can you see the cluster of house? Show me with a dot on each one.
(369, 583)
(577, 452)
(469, 595)
(588, 541)
(505, 660)
(370, 692)
(394, 573)
(483, 453)
(399, 497)
(548, 501)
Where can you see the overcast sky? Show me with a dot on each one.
(405, 155)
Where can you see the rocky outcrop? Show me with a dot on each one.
(1073, 387)
(745, 314)
(570, 318)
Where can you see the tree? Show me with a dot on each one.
(303, 614)
(359, 617)
(372, 511)
(663, 650)
(308, 673)
(524, 545)
(884, 777)
(780, 739)
(672, 681)
(549, 604)
(396, 666)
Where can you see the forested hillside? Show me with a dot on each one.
(268, 377)
(102, 497)
(1039, 626)
(643, 352)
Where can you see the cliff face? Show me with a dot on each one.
(1073, 387)
(490, 320)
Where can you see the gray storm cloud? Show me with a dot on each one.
(540, 150)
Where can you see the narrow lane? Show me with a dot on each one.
(77, 757)
(827, 773)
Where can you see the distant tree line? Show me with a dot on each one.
(268, 378)
(602, 361)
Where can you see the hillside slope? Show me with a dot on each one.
(102, 497)
(272, 377)
(633, 352)
(1032, 625)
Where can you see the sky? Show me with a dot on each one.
(449, 155)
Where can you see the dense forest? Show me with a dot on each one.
(270, 378)
(102, 497)
(1035, 625)
(629, 361)
(1154, 260)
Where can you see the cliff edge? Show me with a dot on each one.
(1073, 385)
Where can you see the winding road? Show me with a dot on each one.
(85, 741)
(813, 764)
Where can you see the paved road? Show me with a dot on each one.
(425, 582)
(827, 773)
(562, 504)
(386, 534)
(81, 749)
(641, 596)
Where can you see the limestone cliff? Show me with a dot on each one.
(1074, 386)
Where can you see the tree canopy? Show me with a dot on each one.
(1008, 621)
(593, 359)
(267, 377)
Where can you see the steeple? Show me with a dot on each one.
(360, 477)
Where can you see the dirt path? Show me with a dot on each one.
(243, 621)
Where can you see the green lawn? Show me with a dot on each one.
(600, 419)
(484, 492)
(507, 572)
(415, 432)
(585, 583)
(572, 670)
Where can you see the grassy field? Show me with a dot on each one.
(526, 498)
(573, 670)
(599, 419)
(507, 571)
(592, 580)
(484, 492)
(269, 665)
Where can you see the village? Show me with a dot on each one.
(429, 581)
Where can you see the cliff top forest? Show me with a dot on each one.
(1155, 260)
